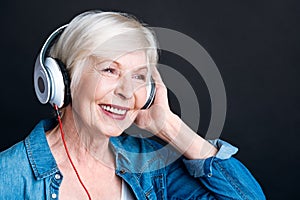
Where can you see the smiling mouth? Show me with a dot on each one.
(116, 112)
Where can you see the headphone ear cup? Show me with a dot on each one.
(151, 90)
(57, 86)
(41, 82)
(49, 83)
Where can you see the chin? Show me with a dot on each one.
(115, 127)
(113, 132)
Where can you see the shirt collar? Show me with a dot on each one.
(41, 159)
(38, 150)
(132, 154)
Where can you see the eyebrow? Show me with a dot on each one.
(139, 68)
(119, 65)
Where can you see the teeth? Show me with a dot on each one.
(114, 110)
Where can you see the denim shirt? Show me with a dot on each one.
(28, 170)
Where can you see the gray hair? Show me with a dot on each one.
(102, 35)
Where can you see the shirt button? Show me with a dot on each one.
(57, 176)
(122, 171)
(53, 196)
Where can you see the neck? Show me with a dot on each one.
(84, 146)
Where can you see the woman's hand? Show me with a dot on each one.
(153, 119)
(162, 122)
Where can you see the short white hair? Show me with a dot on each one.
(102, 35)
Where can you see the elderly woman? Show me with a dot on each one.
(98, 73)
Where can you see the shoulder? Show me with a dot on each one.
(140, 144)
(14, 156)
(137, 143)
(146, 153)
(14, 166)
(17, 161)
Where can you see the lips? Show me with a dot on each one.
(114, 111)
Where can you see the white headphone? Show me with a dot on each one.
(51, 78)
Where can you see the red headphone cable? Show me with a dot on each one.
(67, 151)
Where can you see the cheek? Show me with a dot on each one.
(85, 89)
(103, 88)
(140, 97)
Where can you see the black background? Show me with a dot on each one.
(255, 45)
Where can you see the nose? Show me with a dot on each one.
(124, 89)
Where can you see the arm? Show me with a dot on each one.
(208, 162)
(211, 163)
(224, 175)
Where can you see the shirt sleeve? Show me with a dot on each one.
(223, 175)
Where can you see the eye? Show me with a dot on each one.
(109, 70)
(139, 77)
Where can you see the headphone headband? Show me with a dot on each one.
(49, 42)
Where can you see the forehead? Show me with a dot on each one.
(132, 60)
